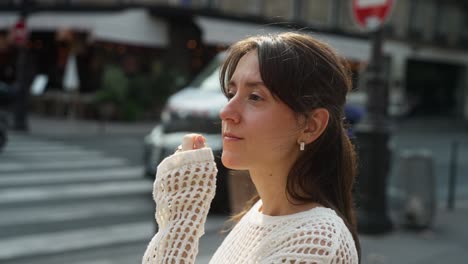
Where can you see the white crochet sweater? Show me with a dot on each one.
(183, 190)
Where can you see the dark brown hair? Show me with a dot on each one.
(307, 74)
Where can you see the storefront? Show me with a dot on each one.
(140, 40)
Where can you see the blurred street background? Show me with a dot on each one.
(94, 94)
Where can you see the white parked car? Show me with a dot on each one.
(194, 109)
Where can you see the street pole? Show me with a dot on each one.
(372, 136)
(22, 77)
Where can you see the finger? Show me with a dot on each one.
(199, 142)
(178, 149)
(188, 142)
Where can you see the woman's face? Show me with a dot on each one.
(259, 131)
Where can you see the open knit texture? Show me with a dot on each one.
(184, 187)
(183, 190)
(314, 236)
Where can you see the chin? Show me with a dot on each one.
(231, 162)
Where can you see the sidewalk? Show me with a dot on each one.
(446, 242)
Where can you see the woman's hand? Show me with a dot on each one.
(191, 141)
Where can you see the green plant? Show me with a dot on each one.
(114, 86)
(134, 96)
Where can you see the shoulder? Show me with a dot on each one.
(318, 234)
(320, 227)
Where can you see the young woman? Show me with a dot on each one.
(284, 124)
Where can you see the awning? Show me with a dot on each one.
(132, 26)
(224, 32)
(217, 31)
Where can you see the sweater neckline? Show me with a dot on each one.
(258, 217)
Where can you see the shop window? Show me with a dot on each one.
(284, 10)
(463, 38)
(449, 26)
(418, 19)
(242, 7)
(441, 30)
(315, 11)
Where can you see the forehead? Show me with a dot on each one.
(247, 67)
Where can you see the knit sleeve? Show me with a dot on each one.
(184, 187)
(326, 243)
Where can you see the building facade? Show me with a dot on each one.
(426, 41)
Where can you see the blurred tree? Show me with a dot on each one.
(137, 94)
(114, 85)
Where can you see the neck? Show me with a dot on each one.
(271, 187)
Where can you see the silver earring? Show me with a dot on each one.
(301, 145)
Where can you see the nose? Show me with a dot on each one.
(230, 112)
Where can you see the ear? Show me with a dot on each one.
(316, 123)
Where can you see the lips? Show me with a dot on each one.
(228, 135)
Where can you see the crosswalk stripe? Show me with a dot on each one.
(76, 213)
(11, 144)
(58, 153)
(65, 241)
(44, 177)
(51, 193)
(60, 242)
(11, 166)
(73, 191)
(42, 159)
(70, 164)
(16, 151)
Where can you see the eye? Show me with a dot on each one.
(230, 95)
(255, 97)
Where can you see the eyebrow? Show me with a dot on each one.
(248, 84)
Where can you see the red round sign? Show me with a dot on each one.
(20, 33)
(370, 14)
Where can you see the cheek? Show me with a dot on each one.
(277, 134)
